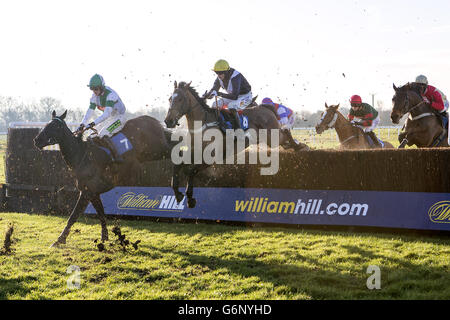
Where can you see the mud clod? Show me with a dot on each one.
(101, 247)
(7, 242)
(122, 241)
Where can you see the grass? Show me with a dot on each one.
(213, 261)
(328, 139)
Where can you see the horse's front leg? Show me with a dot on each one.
(98, 205)
(81, 205)
(288, 140)
(176, 182)
(191, 202)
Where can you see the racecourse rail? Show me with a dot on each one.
(407, 188)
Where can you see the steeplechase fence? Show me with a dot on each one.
(408, 188)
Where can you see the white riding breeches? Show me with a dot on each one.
(375, 123)
(240, 103)
(112, 125)
(287, 123)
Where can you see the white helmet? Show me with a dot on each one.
(421, 79)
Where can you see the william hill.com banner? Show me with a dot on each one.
(423, 211)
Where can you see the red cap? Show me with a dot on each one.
(356, 99)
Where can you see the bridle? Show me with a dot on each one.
(185, 111)
(332, 124)
(410, 110)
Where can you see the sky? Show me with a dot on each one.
(299, 53)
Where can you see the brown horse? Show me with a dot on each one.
(423, 127)
(350, 136)
(185, 101)
(92, 166)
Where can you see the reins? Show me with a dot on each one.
(77, 133)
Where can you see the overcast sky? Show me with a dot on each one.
(296, 52)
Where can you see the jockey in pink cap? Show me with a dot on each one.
(286, 116)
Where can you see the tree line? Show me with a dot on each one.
(13, 110)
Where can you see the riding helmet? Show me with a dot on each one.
(221, 65)
(421, 79)
(96, 81)
(356, 99)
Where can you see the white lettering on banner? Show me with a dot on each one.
(170, 202)
(312, 206)
(133, 201)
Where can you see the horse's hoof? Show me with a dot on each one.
(57, 243)
(179, 197)
(191, 202)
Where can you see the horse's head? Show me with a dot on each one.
(179, 104)
(328, 118)
(404, 99)
(52, 132)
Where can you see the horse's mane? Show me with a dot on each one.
(413, 86)
(194, 92)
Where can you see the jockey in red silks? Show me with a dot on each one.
(286, 116)
(435, 98)
(368, 118)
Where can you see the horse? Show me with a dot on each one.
(94, 171)
(350, 136)
(423, 127)
(185, 101)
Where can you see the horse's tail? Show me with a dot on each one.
(271, 108)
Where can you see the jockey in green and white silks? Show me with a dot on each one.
(108, 101)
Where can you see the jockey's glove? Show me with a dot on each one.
(92, 124)
(212, 94)
(81, 127)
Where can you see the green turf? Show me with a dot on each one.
(214, 261)
(328, 139)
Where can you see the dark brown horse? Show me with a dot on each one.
(185, 101)
(423, 127)
(350, 136)
(94, 172)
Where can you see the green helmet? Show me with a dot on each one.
(96, 81)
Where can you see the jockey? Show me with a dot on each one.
(113, 117)
(239, 94)
(435, 98)
(368, 117)
(286, 115)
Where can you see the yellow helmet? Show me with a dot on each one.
(221, 65)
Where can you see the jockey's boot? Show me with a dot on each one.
(375, 140)
(116, 157)
(236, 120)
(444, 116)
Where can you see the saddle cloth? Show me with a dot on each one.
(227, 124)
(121, 144)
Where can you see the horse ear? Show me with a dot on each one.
(175, 84)
(189, 84)
(53, 114)
(395, 88)
(326, 106)
(337, 107)
(63, 116)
